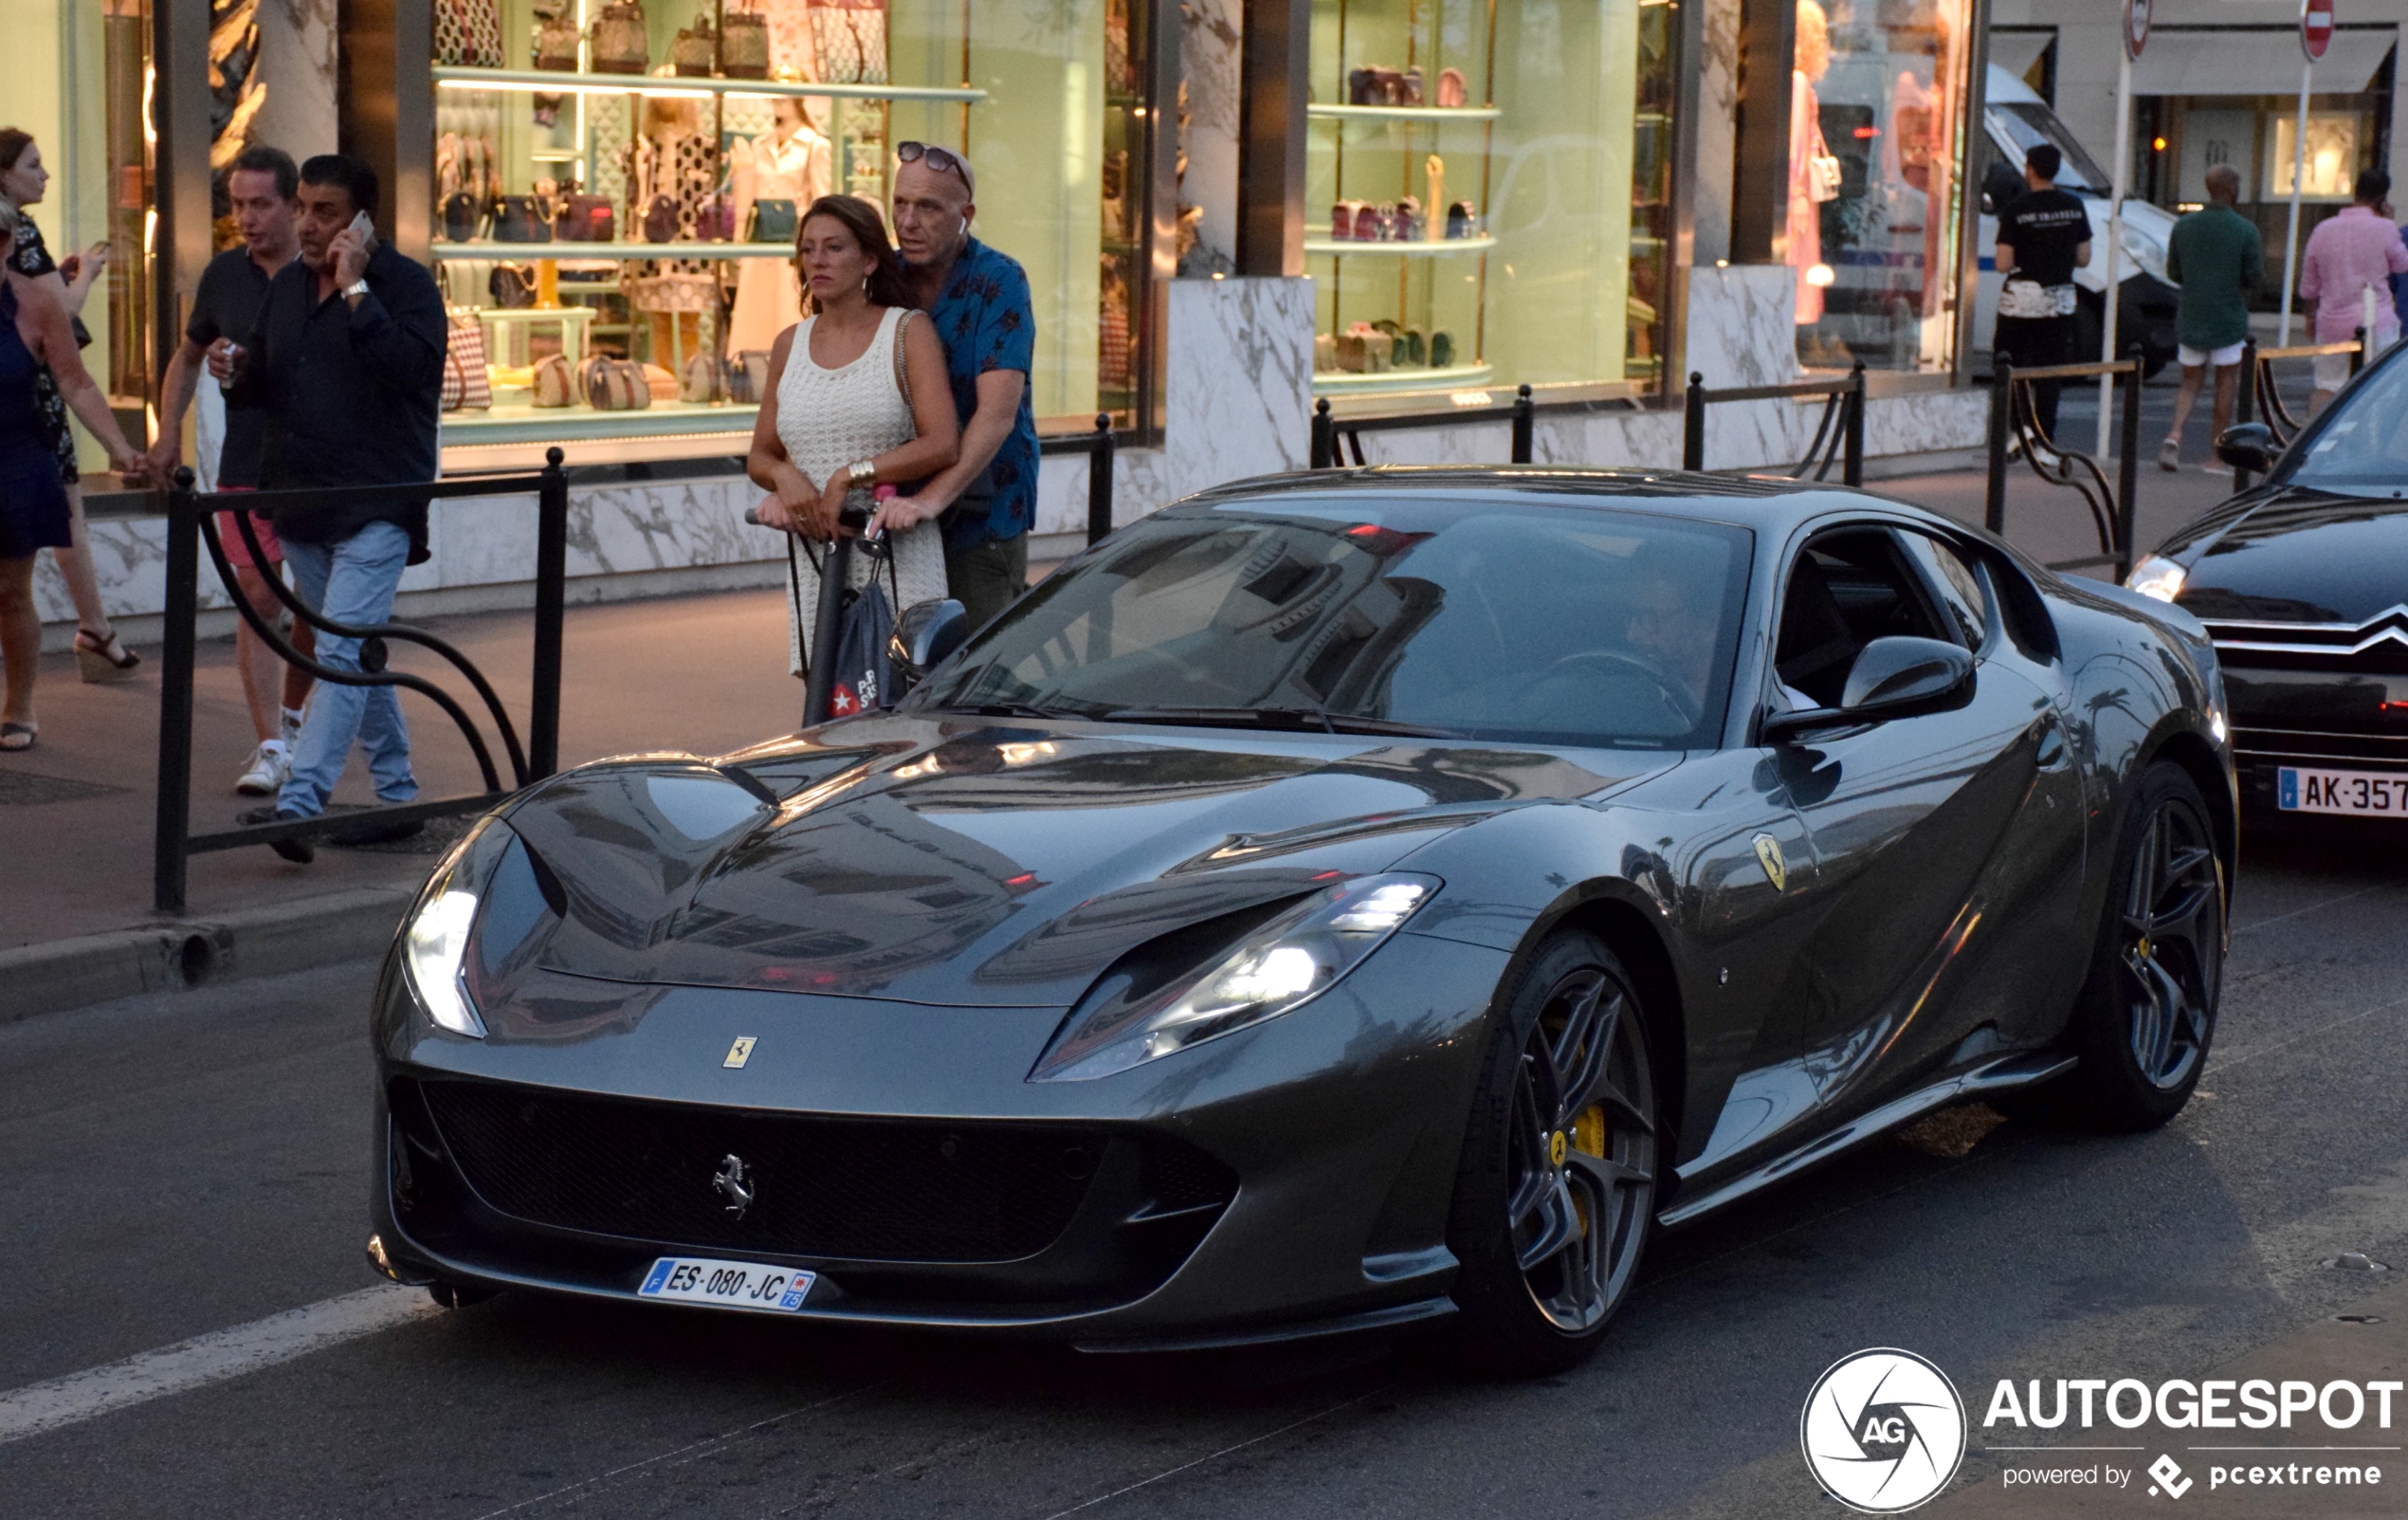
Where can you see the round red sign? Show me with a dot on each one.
(2315, 28)
(2136, 27)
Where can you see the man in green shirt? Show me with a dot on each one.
(2216, 258)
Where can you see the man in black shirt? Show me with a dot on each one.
(346, 360)
(264, 186)
(2044, 235)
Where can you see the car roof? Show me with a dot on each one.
(1771, 504)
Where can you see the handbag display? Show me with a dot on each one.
(588, 219)
(466, 386)
(556, 40)
(616, 385)
(460, 220)
(522, 220)
(696, 51)
(773, 221)
(848, 41)
(716, 221)
(704, 380)
(659, 383)
(675, 292)
(660, 220)
(555, 386)
(512, 286)
(621, 44)
(469, 33)
(1452, 92)
(744, 43)
(748, 377)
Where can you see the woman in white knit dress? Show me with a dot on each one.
(857, 398)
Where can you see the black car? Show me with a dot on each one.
(2303, 584)
(1336, 902)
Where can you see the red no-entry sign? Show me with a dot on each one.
(2136, 27)
(2315, 28)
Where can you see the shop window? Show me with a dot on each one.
(1876, 204)
(623, 180)
(1488, 193)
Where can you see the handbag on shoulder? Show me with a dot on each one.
(621, 44)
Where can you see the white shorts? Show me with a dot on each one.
(2332, 369)
(2192, 358)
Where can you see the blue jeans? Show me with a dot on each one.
(354, 582)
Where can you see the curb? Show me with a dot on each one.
(171, 956)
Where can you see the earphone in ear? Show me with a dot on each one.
(963, 228)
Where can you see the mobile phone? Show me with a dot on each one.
(365, 226)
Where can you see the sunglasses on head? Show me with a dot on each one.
(939, 159)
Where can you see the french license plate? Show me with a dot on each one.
(2356, 793)
(728, 1284)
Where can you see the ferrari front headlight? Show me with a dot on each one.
(2158, 577)
(435, 942)
(1301, 953)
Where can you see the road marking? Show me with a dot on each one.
(41, 1407)
(2223, 1061)
(2313, 907)
(1214, 1456)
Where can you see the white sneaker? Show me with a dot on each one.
(271, 765)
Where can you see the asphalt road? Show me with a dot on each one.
(176, 1167)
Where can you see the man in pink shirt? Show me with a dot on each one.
(2354, 252)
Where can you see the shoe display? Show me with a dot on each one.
(271, 764)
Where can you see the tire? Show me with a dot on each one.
(1555, 1195)
(2146, 1015)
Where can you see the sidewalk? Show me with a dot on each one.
(704, 674)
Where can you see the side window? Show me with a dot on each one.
(1962, 598)
(1846, 589)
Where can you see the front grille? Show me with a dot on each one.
(862, 1189)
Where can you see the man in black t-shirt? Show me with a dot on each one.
(2044, 235)
(264, 186)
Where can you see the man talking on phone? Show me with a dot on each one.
(346, 362)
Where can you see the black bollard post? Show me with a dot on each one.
(1853, 470)
(1524, 419)
(2358, 356)
(1994, 507)
(173, 825)
(1099, 482)
(1324, 452)
(1694, 424)
(2245, 404)
(2128, 474)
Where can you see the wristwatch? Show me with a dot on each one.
(357, 287)
(863, 472)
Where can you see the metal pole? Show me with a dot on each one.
(822, 684)
(2245, 404)
(2358, 357)
(1324, 437)
(174, 826)
(1099, 482)
(1853, 471)
(1523, 420)
(1694, 424)
(551, 597)
(1994, 507)
(2127, 477)
(2115, 233)
(2299, 172)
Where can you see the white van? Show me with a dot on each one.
(2019, 119)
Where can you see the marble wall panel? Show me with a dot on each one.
(1209, 45)
(1743, 324)
(1717, 163)
(297, 65)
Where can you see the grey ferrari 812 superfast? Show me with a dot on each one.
(1338, 903)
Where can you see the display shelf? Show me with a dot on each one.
(1454, 376)
(685, 87)
(444, 249)
(1417, 249)
(1401, 113)
(515, 422)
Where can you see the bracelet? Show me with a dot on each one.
(863, 471)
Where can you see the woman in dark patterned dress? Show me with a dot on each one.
(35, 336)
(23, 179)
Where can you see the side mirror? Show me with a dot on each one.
(1894, 677)
(2248, 446)
(924, 635)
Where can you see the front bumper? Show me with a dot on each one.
(2332, 719)
(1289, 1173)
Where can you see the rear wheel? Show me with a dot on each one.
(2148, 1014)
(1555, 1198)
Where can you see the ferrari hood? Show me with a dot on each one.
(2302, 557)
(954, 860)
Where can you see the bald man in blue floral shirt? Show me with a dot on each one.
(980, 303)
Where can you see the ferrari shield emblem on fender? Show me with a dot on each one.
(741, 1051)
(1768, 853)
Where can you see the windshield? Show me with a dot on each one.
(1548, 624)
(2028, 124)
(2358, 447)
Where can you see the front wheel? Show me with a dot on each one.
(1555, 1196)
(2146, 1016)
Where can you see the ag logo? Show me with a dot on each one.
(1883, 1430)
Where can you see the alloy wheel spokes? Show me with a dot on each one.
(2174, 925)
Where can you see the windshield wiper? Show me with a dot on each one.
(1300, 717)
(1003, 710)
